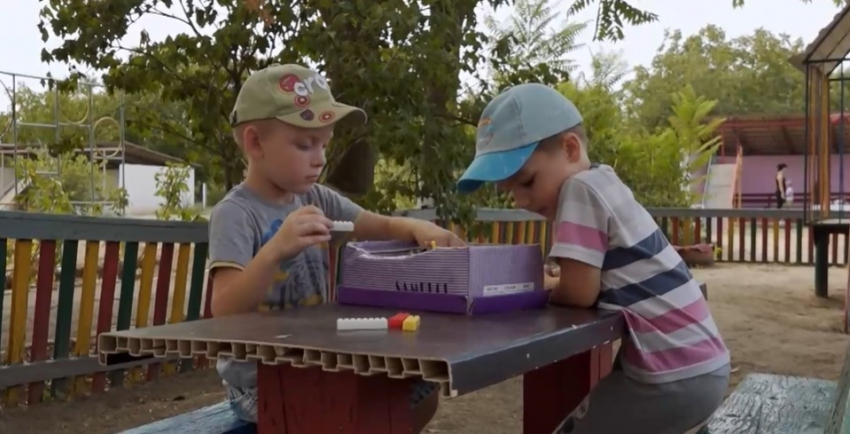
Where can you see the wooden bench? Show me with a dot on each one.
(778, 404)
(215, 419)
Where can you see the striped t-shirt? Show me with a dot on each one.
(671, 333)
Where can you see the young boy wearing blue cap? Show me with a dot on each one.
(672, 370)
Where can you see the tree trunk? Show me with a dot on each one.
(446, 26)
(354, 173)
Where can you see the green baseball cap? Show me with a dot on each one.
(293, 94)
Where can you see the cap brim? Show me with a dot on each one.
(327, 114)
(494, 167)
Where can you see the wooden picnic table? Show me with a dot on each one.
(315, 379)
(822, 231)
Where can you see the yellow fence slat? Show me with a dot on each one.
(85, 319)
(18, 318)
(776, 241)
(145, 292)
(178, 296)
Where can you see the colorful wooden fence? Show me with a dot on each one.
(101, 274)
(70, 278)
(738, 235)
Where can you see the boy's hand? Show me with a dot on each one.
(426, 232)
(551, 277)
(303, 228)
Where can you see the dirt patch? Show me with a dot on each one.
(769, 317)
(773, 323)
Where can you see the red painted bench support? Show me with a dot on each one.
(310, 401)
(552, 392)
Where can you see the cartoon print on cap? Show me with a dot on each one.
(287, 83)
(307, 115)
(302, 101)
(327, 116)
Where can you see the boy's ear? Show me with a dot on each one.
(251, 141)
(571, 144)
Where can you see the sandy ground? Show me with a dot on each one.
(769, 317)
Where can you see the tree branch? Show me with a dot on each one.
(189, 19)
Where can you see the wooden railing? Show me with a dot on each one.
(146, 265)
(105, 274)
(736, 184)
(739, 235)
(768, 200)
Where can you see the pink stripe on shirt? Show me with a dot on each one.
(675, 358)
(581, 235)
(672, 320)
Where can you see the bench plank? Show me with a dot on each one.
(839, 421)
(215, 419)
(776, 404)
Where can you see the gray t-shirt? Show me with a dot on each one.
(241, 224)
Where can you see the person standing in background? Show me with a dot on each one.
(781, 188)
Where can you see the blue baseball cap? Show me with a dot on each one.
(511, 127)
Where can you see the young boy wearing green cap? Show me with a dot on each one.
(672, 370)
(268, 235)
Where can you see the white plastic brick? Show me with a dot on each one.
(343, 226)
(361, 324)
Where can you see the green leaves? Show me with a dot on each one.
(649, 162)
(172, 186)
(401, 62)
(613, 15)
(745, 75)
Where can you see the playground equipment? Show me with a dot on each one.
(722, 184)
(16, 143)
(822, 63)
(819, 61)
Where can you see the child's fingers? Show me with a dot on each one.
(316, 218)
(450, 239)
(314, 227)
(310, 240)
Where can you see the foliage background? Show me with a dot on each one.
(402, 61)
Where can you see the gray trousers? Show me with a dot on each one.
(621, 405)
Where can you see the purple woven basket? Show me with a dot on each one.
(475, 279)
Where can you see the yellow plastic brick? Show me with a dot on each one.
(411, 323)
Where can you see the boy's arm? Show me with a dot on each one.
(372, 226)
(239, 278)
(581, 240)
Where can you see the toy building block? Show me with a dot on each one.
(341, 226)
(411, 323)
(396, 321)
(361, 324)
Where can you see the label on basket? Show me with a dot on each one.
(510, 288)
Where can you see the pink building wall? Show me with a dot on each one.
(759, 171)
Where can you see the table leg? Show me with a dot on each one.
(821, 243)
(550, 393)
(310, 401)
